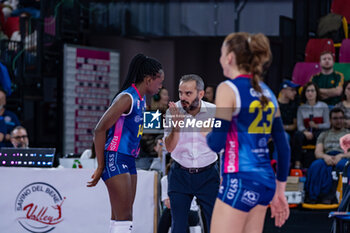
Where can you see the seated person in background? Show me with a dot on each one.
(345, 103)
(2, 131)
(165, 219)
(158, 147)
(13, 31)
(288, 106)
(209, 94)
(329, 81)
(10, 118)
(19, 137)
(312, 119)
(8, 6)
(160, 101)
(329, 154)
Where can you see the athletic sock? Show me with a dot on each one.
(111, 222)
(130, 228)
(120, 226)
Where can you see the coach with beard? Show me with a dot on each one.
(194, 171)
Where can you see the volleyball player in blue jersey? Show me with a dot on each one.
(249, 114)
(117, 136)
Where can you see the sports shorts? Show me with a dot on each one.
(244, 194)
(117, 163)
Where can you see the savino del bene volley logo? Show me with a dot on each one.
(39, 207)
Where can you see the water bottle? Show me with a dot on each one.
(311, 117)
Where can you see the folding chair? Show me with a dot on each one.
(346, 32)
(315, 47)
(341, 7)
(328, 27)
(343, 68)
(11, 25)
(303, 71)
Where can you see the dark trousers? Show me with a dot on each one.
(319, 180)
(165, 220)
(298, 142)
(183, 185)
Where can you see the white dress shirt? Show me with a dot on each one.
(192, 150)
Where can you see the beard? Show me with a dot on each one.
(22, 145)
(194, 105)
(327, 67)
(337, 127)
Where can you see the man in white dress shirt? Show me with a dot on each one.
(194, 171)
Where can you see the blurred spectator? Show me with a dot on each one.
(5, 79)
(2, 130)
(8, 7)
(160, 101)
(345, 103)
(158, 147)
(329, 81)
(10, 118)
(209, 94)
(288, 106)
(312, 119)
(19, 137)
(11, 29)
(29, 9)
(319, 184)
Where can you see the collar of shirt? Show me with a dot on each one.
(192, 150)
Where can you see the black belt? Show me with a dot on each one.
(195, 169)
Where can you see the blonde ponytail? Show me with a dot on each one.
(261, 59)
(253, 55)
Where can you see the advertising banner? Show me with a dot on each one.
(57, 200)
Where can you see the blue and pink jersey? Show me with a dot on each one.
(125, 135)
(246, 148)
